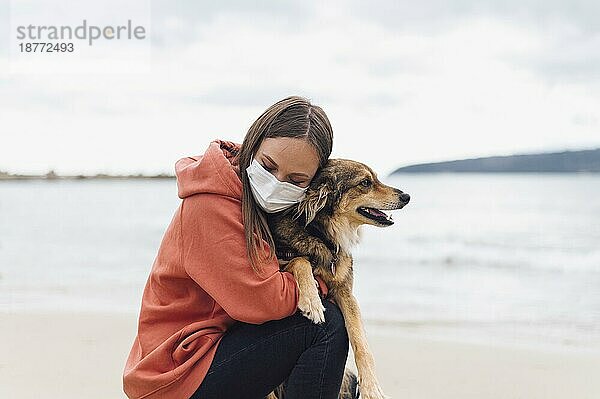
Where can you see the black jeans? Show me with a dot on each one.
(253, 359)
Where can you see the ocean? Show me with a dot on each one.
(500, 258)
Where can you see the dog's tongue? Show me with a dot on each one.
(376, 212)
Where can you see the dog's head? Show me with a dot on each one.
(350, 189)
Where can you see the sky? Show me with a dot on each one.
(402, 82)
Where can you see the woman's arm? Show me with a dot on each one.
(213, 248)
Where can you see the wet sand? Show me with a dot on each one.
(73, 355)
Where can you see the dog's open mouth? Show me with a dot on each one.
(376, 215)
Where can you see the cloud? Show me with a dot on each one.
(571, 57)
(568, 30)
(433, 15)
(180, 22)
(4, 28)
(448, 81)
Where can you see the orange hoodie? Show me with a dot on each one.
(201, 282)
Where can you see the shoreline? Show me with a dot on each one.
(82, 177)
(490, 334)
(87, 352)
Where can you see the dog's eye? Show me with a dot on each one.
(365, 183)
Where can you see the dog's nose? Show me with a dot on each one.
(405, 197)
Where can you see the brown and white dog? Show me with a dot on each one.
(317, 236)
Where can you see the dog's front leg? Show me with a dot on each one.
(309, 301)
(369, 386)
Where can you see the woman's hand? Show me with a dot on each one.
(322, 287)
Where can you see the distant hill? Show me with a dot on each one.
(555, 162)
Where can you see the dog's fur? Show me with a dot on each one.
(320, 232)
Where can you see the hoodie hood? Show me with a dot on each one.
(211, 172)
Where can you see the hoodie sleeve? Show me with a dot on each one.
(214, 256)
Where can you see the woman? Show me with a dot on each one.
(218, 318)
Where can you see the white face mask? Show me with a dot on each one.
(271, 194)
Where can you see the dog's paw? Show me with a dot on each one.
(371, 390)
(311, 306)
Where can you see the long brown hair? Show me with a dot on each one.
(294, 117)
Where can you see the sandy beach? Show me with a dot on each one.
(70, 355)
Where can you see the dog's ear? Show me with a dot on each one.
(314, 200)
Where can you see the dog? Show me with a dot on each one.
(316, 237)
